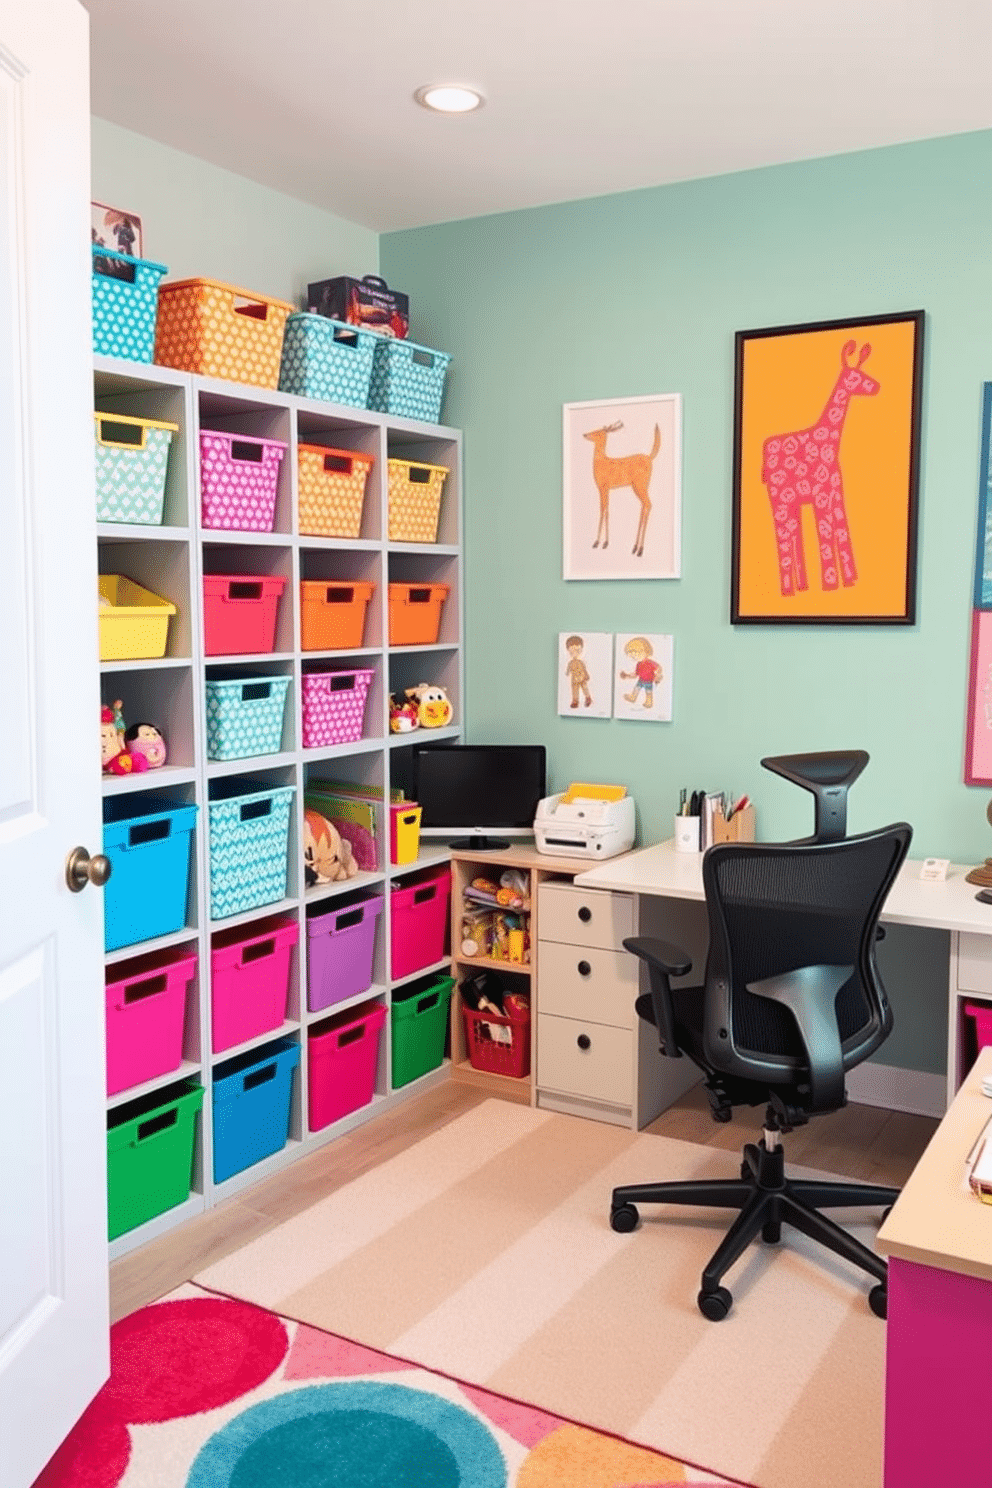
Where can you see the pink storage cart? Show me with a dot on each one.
(343, 1055)
(249, 980)
(146, 1015)
(239, 476)
(341, 952)
(419, 922)
(334, 707)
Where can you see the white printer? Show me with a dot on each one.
(586, 821)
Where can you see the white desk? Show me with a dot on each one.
(950, 904)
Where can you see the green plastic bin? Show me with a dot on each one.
(150, 1155)
(419, 1019)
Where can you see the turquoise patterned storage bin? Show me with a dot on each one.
(124, 309)
(408, 379)
(245, 716)
(132, 457)
(249, 845)
(326, 359)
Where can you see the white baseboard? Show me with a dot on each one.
(873, 1084)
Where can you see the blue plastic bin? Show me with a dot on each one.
(125, 304)
(327, 360)
(252, 1094)
(149, 844)
(408, 379)
(249, 844)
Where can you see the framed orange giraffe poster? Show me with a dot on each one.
(826, 472)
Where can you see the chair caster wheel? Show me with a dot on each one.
(715, 1305)
(771, 1233)
(878, 1301)
(623, 1219)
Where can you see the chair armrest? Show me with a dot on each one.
(810, 994)
(663, 961)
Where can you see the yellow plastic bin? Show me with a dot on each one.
(414, 500)
(134, 622)
(404, 831)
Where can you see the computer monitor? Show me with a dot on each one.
(478, 795)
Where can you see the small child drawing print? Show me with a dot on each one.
(585, 666)
(643, 682)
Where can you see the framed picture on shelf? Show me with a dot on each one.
(826, 472)
(622, 488)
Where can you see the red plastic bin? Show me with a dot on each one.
(146, 1016)
(419, 922)
(239, 613)
(343, 1056)
(498, 1044)
(982, 1014)
(249, 980)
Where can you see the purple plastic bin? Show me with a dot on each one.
(342, 946)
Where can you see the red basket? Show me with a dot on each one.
(491, 1049)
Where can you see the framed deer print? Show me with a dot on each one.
(622, 488)
(826, 472)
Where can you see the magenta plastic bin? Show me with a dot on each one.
(249, 980)
(239, 477)
(334, 707)
(343, 1056)
(146, 1014)
(341, 952)
(982, 1014)
(419, 922)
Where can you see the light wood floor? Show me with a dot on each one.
(863, 1142)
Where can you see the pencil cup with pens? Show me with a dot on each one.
(704, 818)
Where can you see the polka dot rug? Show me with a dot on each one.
(208, 1392)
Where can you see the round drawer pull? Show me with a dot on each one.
(584, 968)
(584, 1041)
(585, 914)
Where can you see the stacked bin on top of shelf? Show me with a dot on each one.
(125, 304)
(218, 330)
(327, 360)
(408, 380)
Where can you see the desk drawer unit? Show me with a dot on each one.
(585, 982)
(585, 917)
(585, 1059)
(974, 963)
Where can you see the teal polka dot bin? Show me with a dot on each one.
(245, 717)
(327, 360)
(125, 304)
(132, 460)
(249, 845)
(408, 379)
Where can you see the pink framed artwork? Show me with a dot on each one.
(978, 739)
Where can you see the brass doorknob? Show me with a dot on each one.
(81, 869)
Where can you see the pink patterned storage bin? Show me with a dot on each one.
(334, 707)
(238, 479)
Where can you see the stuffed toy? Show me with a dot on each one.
(326, 856)
(145, 740)
(403, 716)
(434, 708)
(116, 758)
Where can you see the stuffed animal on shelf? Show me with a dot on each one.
(403, 717)
(434, 708)
(327, 857)
(144, 740)
(115, 756)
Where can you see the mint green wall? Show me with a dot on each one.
(203, 222)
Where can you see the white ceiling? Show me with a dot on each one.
(584, 97)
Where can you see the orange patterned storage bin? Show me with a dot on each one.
(414, 500)
(332, 490)
(220, 331)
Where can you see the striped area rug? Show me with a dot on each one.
(484, 1251)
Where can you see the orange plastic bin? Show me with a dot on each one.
(219, 330)
(415, 613)
(332, 615)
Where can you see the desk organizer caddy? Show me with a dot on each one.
(239, 476)
(252, 1096)
(125, 304)
(132, 459)
(133, 622)
(334, 706)
(149, 846)
(414, 500)
(408, 379)
(332, 616)
(249, 980)
(342, 1059)
(245, 717)
(497, 1044)
(419, 1021)
(341, 952)
(418, 913)
(332, 485)
(415, 613)
(249, 845)
(150, 1145)
(146, 1016)
(219, 330)
(239, 613)
(327, 360)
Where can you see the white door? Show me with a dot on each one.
(53, 1236)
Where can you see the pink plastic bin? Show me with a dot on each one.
(238, 480)
(419, 921)
(341, 952)
(239, 613)
(334, 707)
(343, 1055)
(146, 1013)
(249, 980)
(982, 1014)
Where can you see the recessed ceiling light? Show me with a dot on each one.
(449, 98)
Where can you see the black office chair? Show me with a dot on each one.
(792, 999)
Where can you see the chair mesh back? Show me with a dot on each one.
(777, 907)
